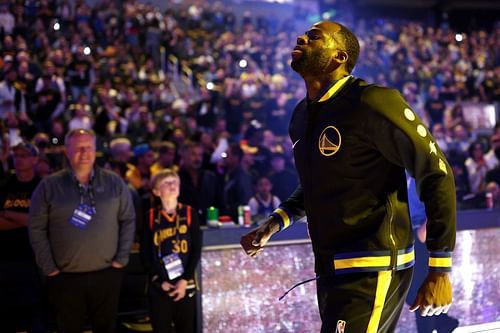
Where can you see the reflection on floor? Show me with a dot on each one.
(241, 294)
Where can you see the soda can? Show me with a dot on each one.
(247, 217)
(241, 219)
(489, 200)
(212, 216)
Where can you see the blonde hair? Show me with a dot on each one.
(162, 174)
(78, 131)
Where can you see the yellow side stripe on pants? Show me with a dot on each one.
(383, 282)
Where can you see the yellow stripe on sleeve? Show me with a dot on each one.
(439, 262)
(284, 216)
(363, 262)
(405, 258)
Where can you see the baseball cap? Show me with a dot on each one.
(141, 149)
(30, 148)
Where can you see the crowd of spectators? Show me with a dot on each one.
(208, 92)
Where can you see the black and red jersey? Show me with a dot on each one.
(173, 233)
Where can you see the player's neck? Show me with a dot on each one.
(315, 85)
(169, 205)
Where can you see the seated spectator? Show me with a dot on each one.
(283, 178)
(435, 106)
(441, 137)
(493, 175)
(494, 189)
(476, 167)
(457, 163)
(460, 140)
(492, 156)
(263, 202)
(454, 116)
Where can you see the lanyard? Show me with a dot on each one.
(90, 191)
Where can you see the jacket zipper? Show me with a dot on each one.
(311, 115)
(394, 251)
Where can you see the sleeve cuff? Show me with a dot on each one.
(440, 261)
(283, 217)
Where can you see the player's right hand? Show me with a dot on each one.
(254, 241)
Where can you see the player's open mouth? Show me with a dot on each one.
(296, 53)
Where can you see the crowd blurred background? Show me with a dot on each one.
(206, 88)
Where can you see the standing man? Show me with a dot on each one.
(81, 227)
(237, 182)
(352, 143)
(21, 300)
(200, 188)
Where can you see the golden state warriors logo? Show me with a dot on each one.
(329, 141)
(340, 326)
(183, 229)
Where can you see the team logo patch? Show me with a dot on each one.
(183, 229)
(329, 141)
(340, 326)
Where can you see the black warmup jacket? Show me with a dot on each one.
(351, 149)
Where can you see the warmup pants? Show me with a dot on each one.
(81, 297)
(362, 302)
(164, 311)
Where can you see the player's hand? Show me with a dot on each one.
(165, 286)
(54, 273)
(179, 290)
(116, 264)
(434, 296)
(254, 241)
(422, 233)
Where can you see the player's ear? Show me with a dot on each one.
(340, 56)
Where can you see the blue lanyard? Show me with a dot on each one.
(90, 190)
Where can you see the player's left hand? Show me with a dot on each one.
(434, 296)
(116, 264)
(179, 290)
